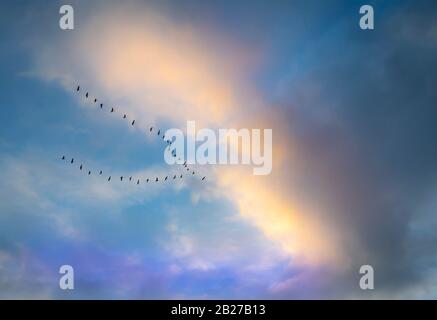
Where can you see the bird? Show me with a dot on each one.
(159, 131)
(124, 116)
(100, 172)
(138, 181)
(147, 180)
(78, 88)
(150, 130)
(112, 109)
(101, 106)
(180, 177)
(188, 169)
(121, 178)
(165, 178)
(193, 172)
(86, 95)
(133, 122)
(156, 180)
(130, 178)
(63, 157)
(89, 172)
(95, 100)
(109, 179)
(80, 167)
(203, 178)
(174, 177)
(72, 160)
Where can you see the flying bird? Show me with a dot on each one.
(101, 106)
(180, 177)
(86, 95)
(112, 109)
(203, 178)
(147, 180)
(159, 131)
(95, 100)
(100, 172)
(124, 116)
(165, 178)
(109, 179)
(150, 130)
(156, 180)
(121, 178)
(89, 172)
(63, 157)
(80, 167)
(133, 122)
(130, 178)
(78, 88)
(138, 181)
(72, 160)
(174, 177)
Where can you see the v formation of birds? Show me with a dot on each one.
(136, 180)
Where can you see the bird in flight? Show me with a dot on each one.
(109, 179)
(133, 122)
(100, 172)
(78, 88)
(112, 109)
(72, 160)
(63, 157)
(86, 95)
(124, 117)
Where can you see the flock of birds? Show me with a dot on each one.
(131, 178)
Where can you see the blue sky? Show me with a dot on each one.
(354, 173)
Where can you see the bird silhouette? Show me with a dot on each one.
(121, 178)
(86, 95)
(100, 172)
(156, 180)
(147, 180)
(72, 160)
(109, 179)
(78, 88)
(133, 122)
(124, 116)
(89, 172)
(159, 131)
(101, 106)
(150, 130)
(95, 100)
(180, 177)
(174, 177)
(193, 172)
(63, 157)
(112, 109)
(130, 178)
(203, 178)
(138, 181)
(165, 178)
(80, 167)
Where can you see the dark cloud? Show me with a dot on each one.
(364, 117)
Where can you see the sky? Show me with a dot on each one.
(354, 176)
